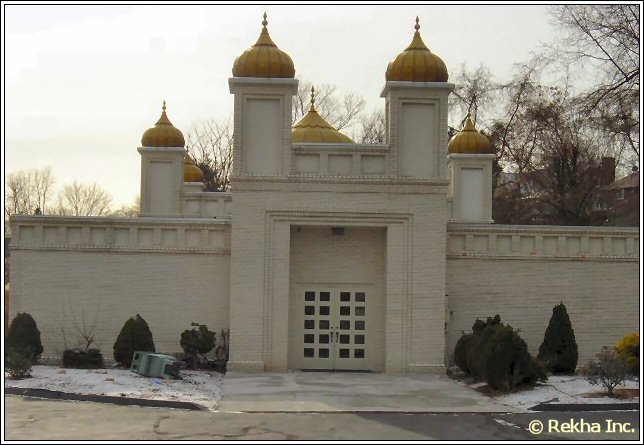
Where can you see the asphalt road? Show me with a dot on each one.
(39, 419)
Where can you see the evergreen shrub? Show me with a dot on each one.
(559, 348)
(24, 337)
(134, 336)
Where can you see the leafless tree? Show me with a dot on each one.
(372, 128)
(605, 40)
(83, 330)
(210, 144)
(476, 93)
(340, 111)
(27, 192)
(129, 210)
(551, 151)
(77, 199)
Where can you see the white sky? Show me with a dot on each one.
(82, 83)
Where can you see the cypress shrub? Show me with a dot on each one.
(134, 336)
(24, 337)
(559, 348)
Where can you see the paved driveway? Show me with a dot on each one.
(351, 392)
(34, 419)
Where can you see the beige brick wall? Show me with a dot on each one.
(168, 290)
(98, 272)
(601, 298)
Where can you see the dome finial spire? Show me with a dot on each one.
(417, 25)
(469, 123)
(264, 22)
(312, 98)
(163, 107)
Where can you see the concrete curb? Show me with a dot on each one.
(59, 395)
(586, 407)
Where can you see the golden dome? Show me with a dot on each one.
(163, 134)
(313, 128)
(469, 140)
(264, 59)
(191, 173)
(417, 63)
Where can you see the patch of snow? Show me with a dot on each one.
(562, 390)
(506, 423)
(199, 387)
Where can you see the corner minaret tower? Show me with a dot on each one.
(469, 164)
(263, 84)
(416, 110)
(162, 152)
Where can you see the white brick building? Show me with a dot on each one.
(327, 254)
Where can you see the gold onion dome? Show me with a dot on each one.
(191, 173)
(469, 140)
(417, 63)
(264, 59)
(163, 134)
(313, 128)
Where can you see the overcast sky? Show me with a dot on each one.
(82, 83)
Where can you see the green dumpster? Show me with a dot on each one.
(151, 364)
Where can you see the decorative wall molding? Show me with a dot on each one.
(542, 242)
(144, 234)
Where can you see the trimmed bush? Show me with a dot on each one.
(460, 352)
(559, 348)
(24, 337)
(505, 361)
(199, 341)
(495, 353)
(17, 365)
(629, 348)
(473, 358)
(609, 370)
(134, 336)
(82, 359)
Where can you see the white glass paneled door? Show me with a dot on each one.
(334, 329)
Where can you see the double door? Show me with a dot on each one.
(335, 329)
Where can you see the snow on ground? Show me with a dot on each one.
(562, 389)
(199, 387)
(204, 388)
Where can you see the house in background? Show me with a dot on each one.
(618, 201)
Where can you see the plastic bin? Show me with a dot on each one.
(151, 364)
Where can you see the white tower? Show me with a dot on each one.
(416, 95)
(469, 164)
(263, 85)
(162, 171)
